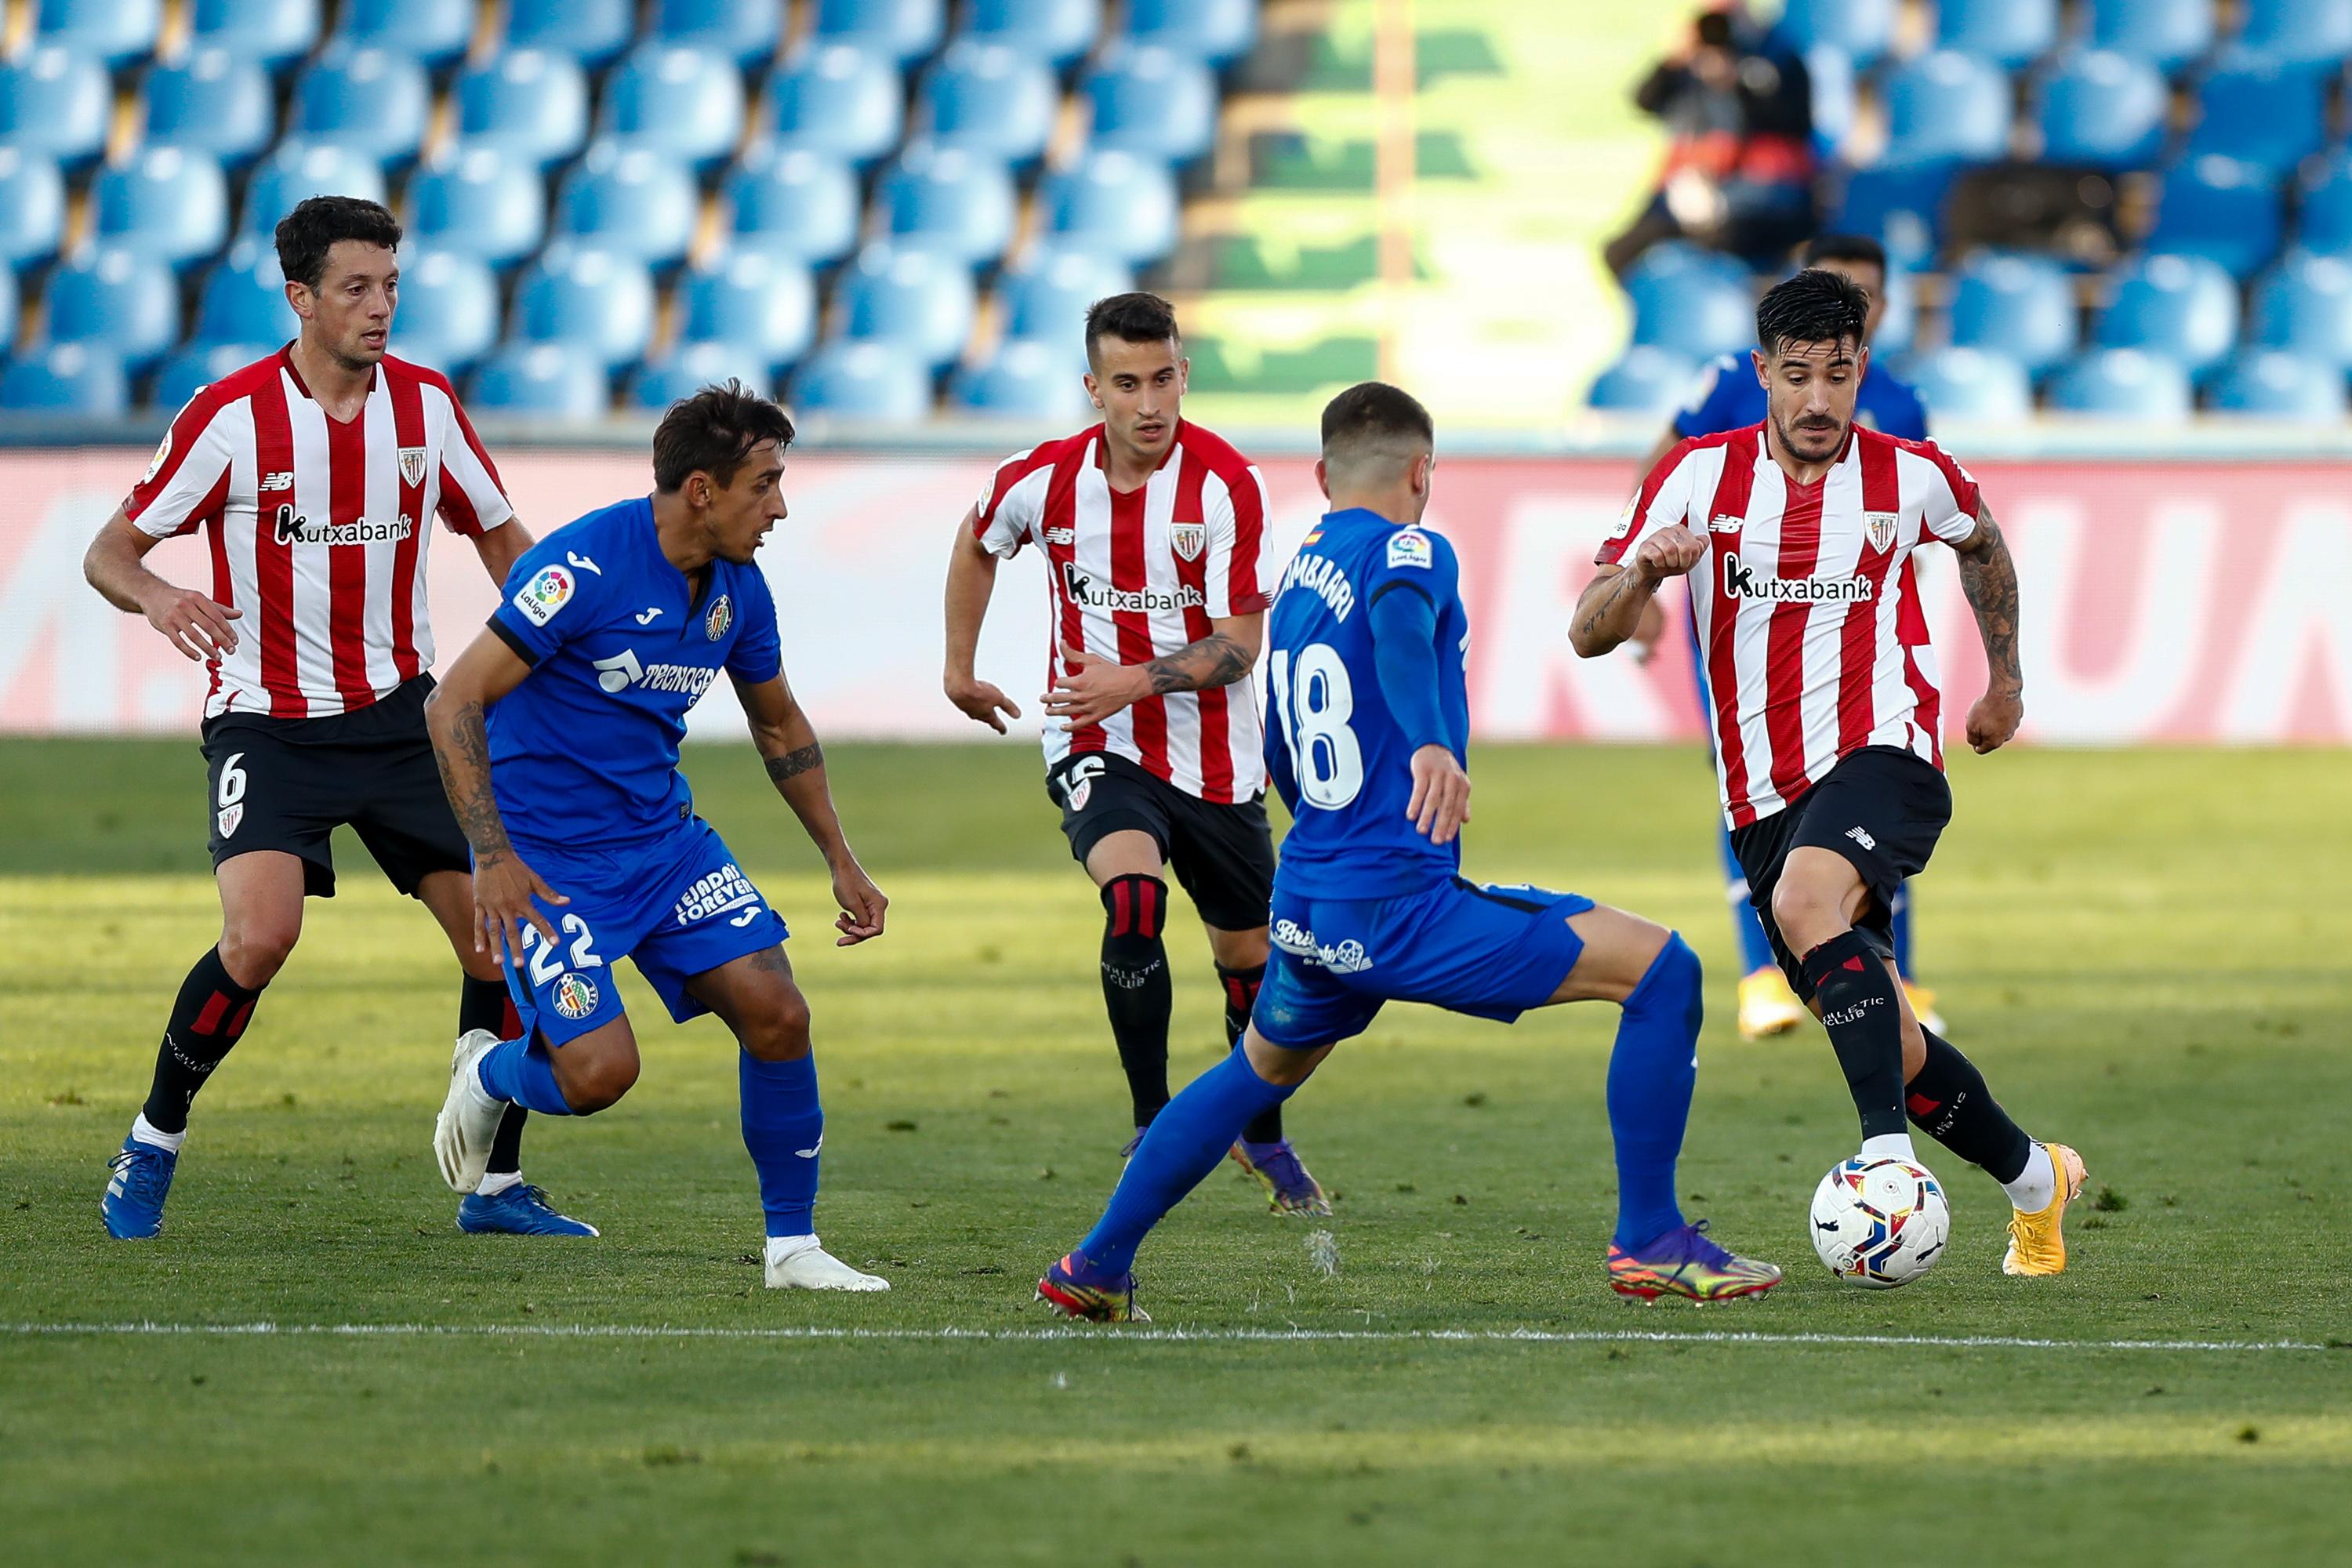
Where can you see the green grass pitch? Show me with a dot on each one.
(2145, 952)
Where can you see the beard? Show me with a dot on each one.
(1811, 444)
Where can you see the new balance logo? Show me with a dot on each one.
(1861, 836)
(277, 481)
(1726, 522)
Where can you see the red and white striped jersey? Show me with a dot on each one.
(1138, 574)
(1806, 603)
(317, 527)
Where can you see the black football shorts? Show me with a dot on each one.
(1222, 855)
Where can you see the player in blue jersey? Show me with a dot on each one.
(1730, 396)
(1371, 723)
(558, 735)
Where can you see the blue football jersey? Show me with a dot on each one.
(1335, 752)
(584, 751)
(1728, 398)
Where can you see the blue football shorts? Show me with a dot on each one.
(1490, 951)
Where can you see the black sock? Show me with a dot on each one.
(1950, 1102)
(209, 1014)
(487, 1004)
(1865, 1023)
(1241, 996)
(1136, 989)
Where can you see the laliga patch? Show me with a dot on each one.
(1625, 519)
(230, 817)
(162, 455)
(545, 593)
(575, 994)
(1411, 547)
(721, 617)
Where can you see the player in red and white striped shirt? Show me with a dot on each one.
(316, 473)
(1797, 535)
(1153, 531)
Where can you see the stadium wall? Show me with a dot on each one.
(2196, 602)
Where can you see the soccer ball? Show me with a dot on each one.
(1880, 1223)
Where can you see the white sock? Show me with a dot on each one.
(148, 1132)
(2036, 1184)
(1889, 1146)
(493, 1183)
(782, 1246)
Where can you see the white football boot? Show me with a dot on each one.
(469, 1116)
(799, 1263)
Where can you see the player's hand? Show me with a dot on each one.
(1647, 633)
(979, 699)
(503, 888)
(192, 622)
(1993, 720)
(1092, 689)
(1669, 553)
(861, 902)
(1441, 794)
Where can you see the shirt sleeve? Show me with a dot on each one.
(548, 602)
(1404, 652)
(1662, 500)
(758, 654)
(1418, 559)
(1707, 410)
(1235, 581)
(1950, 511)
(186, 483)
(473, 500)
(1005, 516)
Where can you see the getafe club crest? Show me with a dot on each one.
(1881, 527)
(411, 465)
(721, 617)
(575, 994)
(1188, 539)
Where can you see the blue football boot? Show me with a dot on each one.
(139, 1180)
(520, 1210)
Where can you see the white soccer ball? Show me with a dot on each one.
(1880, 1223)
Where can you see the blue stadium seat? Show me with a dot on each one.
(543, 381)
(1026, 379)
(119, 32)
(1862, 30)
(164, 202)
(632, 201)
(2166, 34)
(761, 303)
(2122, 383)
(127, 303)
(532, 103)
(2310, 32)
(682, 102)
(1154, 102)
(916, 299)
(1899, 322)
(593, 32)
(745, 31)
(990, 99)
(10, 307)
(1114, 202)
(2305, 305)
(273, 34)
(1217, 31)
(2022, 306)
(2101, 108)
(479, 202)
(794, 203)
(1048, 295)
(372, 99)
(1670, 262)
(1901, 204)
(956, 203)
(899, 30)
(2008, 33)
(2259, 112)
(1647, 380)
(2275, 385)
(299, 168)
(215, 103)
(198, 366)
(1836, 98)
(2323, 217)
(854, 380)
(1946, 105)
(32, 210)
(54, 101)
(2182, 307)
(839, 100)
(66, 378)
(1695, 314)
(601, 300)
(434, 31)
(2220, 208)
(243, 301)
(691, 366)
(448, 315)
(1971, 384)
(1054, 31)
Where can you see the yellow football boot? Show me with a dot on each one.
(1923, 1006)
(1766, 1005)
(2037, 1242)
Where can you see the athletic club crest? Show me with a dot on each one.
(411, 465)
(1188, 539)
(1880, 526)
(575, 994)
(721, 617)
(230, 816)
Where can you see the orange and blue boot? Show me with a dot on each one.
(1687, 1262)
(1076, 1289)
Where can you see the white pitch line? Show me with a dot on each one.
(1164, 1335)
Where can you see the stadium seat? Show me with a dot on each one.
(433, 31)
(272, 34)
(1898, 323)
(119, 32)
(2220, 208)
(2122, 383)
(2101, 108)
(299, 168)
(1860, 29)
(32, 210)
(54, 101)
(2305, 306)
(2259, 112)
(2182, 307)
(1113, 202)
(541, 380)
(2308, 32)
(1056, 32)
(631, 201)
(1647, 380)
(863, 381)
(370, 100)
(763, 303)
(956, 203)
(164, 202)
(2275, 385)
(691, 366)
(1153, 102)
(66, 378)
(1671, 261)
(1901, 204)
(2323, 215)
(990, 99)
(1695, 315)
(1217, 31)
(794, 203)
(2021, 305)
(1836, 98)
(2008, 33)
(1971, 384)
(683, 102)
(191, 369)
(531, 103)
(593, 32)
(600, 299)
(11, 307)
(448, 315)
(243, 301)
(118, 300)
(213, 102)
(1026, 379)
(1946, 105)
(479, 202)
(745, 31)
(1046, 297)
(838, 100)
(899, 30)
(2166, 34)
(916, 299)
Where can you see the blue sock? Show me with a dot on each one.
(783, 1127)
(1183, 1145)
(1755, 947)
(1651, 1074)
(1902, 915)
(521, 1073)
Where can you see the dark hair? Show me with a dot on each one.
(311, 230)
(1374, 412)
(1138, 317)
(1816, 306)
(1714, 30)
(1845, 248)
(713, 432)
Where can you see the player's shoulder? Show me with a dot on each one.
(1219, 456)
(1415, 548)
(1927, 449)
(1737, 436)
(1045, 455)
(234, 387)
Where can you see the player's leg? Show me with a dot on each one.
(1766, 1005)
(1818, 897)
(1922, 997)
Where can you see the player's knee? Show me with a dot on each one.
(780, 1032)
(254, 949)
(597, 1081)
(1674, 984)
(1806, 915)
(1134, 913)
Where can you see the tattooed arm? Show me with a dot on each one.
(1611, 608)
(1093, 688)
(1989, 578)
(454, 714)
(787, 742)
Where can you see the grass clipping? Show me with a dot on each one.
(1323, 1251)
